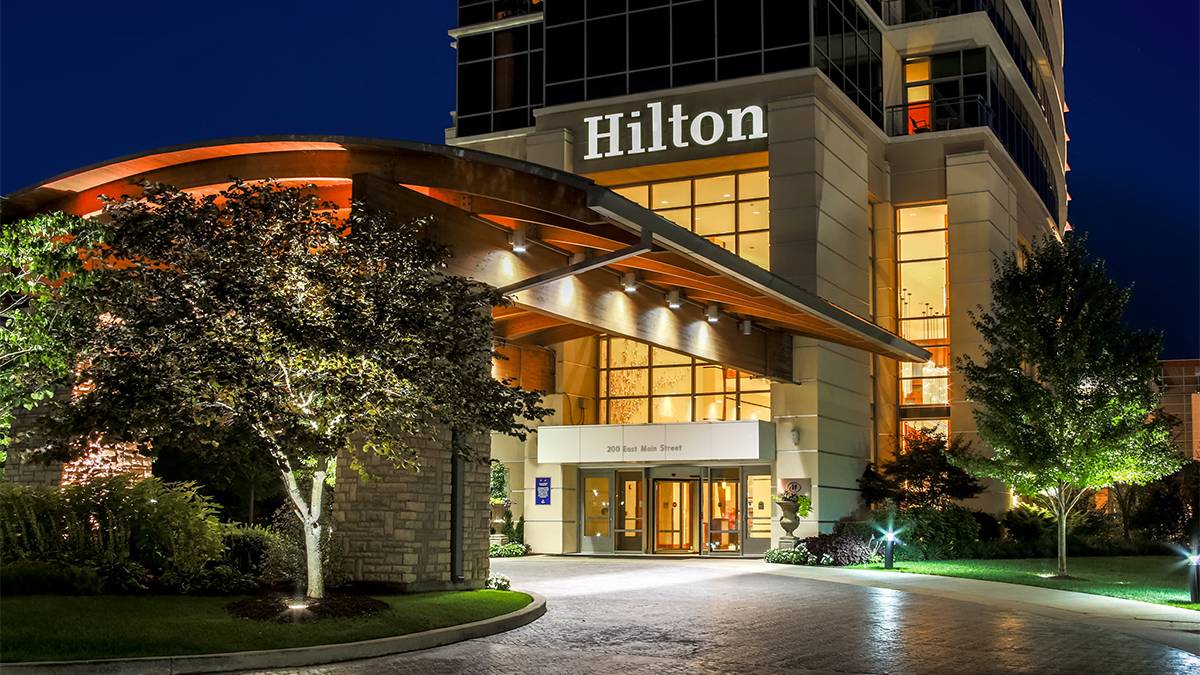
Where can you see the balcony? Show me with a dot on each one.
(941, 115)
(471, 12)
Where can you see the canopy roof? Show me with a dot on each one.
(559, 213)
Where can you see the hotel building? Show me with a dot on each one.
(741, 239)
(878, 154)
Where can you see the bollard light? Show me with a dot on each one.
(1194, 576)
(889, 539)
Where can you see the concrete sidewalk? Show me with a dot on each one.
(1172, 626)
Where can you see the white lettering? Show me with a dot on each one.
(737, 131)
(677, 120)
(718, 128)
(635, 133)
(613, 135)
(656, 142)
(706, 128)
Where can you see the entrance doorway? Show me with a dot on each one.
(675, 515)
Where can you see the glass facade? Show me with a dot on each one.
(924, 303)
(1002, 19)
(732, 210)
(499, 79)
(640, 384)
(596, 49)
(602, 48)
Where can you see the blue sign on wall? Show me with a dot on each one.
(541, 495)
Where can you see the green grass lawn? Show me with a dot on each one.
(1158, 579)
(53, 627)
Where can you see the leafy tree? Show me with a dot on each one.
(920, 475)
(1064, 392)
(259, 325)
(40, 262)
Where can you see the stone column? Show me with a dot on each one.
(394, 527)
(820, 241)
(981, 205)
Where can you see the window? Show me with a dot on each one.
(730, 210)
(640, 384)
(924, 302)
(499, 79)
(960, 89)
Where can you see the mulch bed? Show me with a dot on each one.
(275, 608)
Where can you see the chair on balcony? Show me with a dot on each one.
(916, 126)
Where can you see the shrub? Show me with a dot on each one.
(132, 531)
(930, 533)
(787, 556)
(989, 526)
(839, 549)
(498, 582)
(247, 548)
(1028, 524)
(28, 577)
(509, 550)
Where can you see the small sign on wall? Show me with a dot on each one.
(798, 485)
(541, 492)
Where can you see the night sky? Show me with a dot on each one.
(82, 82)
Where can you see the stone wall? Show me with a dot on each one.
(394, 527)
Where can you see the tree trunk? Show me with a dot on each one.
(310, 520)
(312, 557)
(1062, 543)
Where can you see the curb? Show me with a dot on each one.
(294, 656)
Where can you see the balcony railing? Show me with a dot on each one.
(941, 115)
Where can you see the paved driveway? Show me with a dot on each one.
(689, 616)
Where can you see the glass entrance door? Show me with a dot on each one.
(631, 512)
(675, 516)
(758, 510)
(722, 508)
(597, 512)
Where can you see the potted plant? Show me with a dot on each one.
(500, 503)
(794, 506)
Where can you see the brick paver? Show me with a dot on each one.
(690, 616)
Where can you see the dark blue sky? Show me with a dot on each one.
(81, 82)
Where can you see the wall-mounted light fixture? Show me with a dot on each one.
(516, 239)
(746, 326)
(629, 282)
(712, 313)
(674, 299)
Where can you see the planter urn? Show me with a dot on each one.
(790, 518)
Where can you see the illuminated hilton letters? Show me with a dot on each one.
(705, 128)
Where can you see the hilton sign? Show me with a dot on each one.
(705, 128)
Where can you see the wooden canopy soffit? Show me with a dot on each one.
(562, 214)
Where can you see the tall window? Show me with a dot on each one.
(732, 210)
(641, 384)
(924, 303)
(499, 79)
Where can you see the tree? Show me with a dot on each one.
(1064, 392)
(920, 475)
(259, 325)
(39, 264)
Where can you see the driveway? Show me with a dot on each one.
(733, 616)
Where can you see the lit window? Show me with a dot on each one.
(640, 384)
(732, 211)
(924, 302)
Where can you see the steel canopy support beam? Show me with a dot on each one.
(587, 265)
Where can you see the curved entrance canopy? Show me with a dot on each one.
(581, 242)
